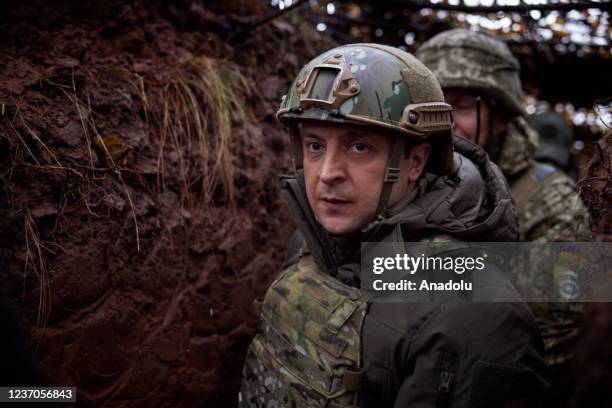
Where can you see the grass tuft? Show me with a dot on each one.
(200, 106)
(35, 261)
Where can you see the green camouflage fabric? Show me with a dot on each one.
(555, 212)
(552, 211)
(385, 80)
(389, 80)
(307, 352)
(520, 144)
(466, 59)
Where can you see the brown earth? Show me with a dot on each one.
(140, 212)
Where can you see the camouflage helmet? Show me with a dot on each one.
(375, 86)
(467, 59)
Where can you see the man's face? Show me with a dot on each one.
(344, 169)
(465, 117)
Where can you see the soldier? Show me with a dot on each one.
(480, 79)
(373, 151)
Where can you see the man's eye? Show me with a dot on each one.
(360, 147)
(314, 147)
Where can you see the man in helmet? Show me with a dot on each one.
(480, 79)
(374, 163)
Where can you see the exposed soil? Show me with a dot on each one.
(131, 248)
(135, 273)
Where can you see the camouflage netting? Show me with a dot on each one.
(140, 212)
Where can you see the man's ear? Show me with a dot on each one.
(417, 159)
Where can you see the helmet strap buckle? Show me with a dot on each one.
(391, 175)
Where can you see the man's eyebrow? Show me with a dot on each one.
(312, 135)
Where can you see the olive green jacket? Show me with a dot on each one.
(439, 355)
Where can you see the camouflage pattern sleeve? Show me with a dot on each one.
(555, 213)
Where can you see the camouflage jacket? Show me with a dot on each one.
(412, 354)
(549, 208)
(548, 204)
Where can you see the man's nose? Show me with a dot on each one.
(332, 170)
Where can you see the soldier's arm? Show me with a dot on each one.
(555, 213)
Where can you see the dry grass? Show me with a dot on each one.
(193, 115)
(20, 131)
(35, 262)
(92, 135)
(199, 107)
(35, 249)
(17, 124)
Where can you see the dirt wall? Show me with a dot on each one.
(140, 210)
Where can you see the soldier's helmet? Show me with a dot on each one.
(373, 86)
(555, 138)
(467, 59)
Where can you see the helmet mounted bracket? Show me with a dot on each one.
(328, 85)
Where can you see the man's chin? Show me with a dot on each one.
(338, 227)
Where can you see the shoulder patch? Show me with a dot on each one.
(542, 172)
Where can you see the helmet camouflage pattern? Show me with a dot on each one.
(376, 86)
(467, 59)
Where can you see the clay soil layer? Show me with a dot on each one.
(140, 206)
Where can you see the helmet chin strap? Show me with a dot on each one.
(391, 176)
(478, 100)
(494, 142)
(391, 172)
(296, 146)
